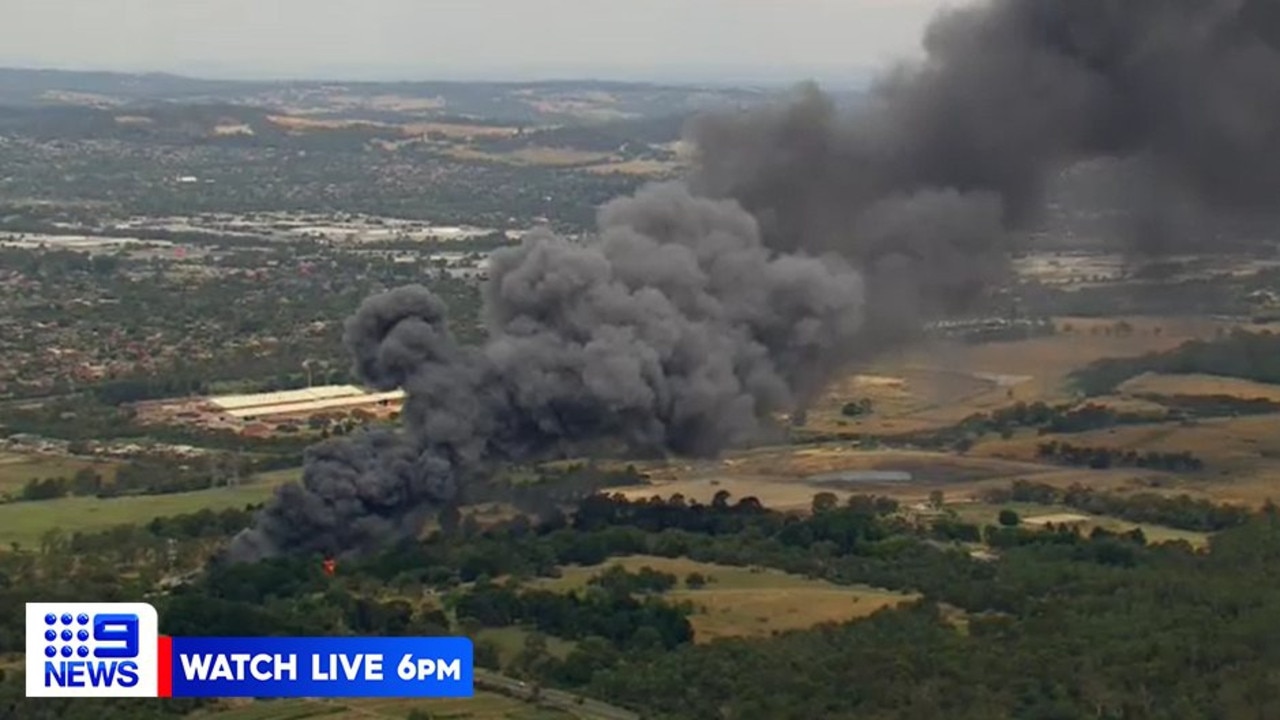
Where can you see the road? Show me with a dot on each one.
(558, 699)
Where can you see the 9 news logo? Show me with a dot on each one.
(92, 650)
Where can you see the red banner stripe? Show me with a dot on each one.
(164, 686)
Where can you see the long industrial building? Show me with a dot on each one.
(260, 412)
(300, 403)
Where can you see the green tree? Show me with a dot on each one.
(824, 502)
(487, 654)
(937, 499)
(856, 409)
(533, 656)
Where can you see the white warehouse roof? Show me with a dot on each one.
(286, 397)
(310, 406)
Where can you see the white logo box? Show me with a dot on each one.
(66, 641)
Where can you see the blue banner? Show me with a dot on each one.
(348, 667)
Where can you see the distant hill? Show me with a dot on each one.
(529, 103)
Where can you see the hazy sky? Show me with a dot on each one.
(468, 38)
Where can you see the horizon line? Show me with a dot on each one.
(705, 75)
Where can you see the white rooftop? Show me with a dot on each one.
(312, 406)
(286, 397)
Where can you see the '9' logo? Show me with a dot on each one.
(115, 636)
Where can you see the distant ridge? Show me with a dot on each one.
(838, 80)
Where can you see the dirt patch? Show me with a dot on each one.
(553, 156)
(1056, 519)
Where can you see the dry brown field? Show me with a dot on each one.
(782, 477)
(1155, 384)
(740, 601)
(939, 384)
(642, 168)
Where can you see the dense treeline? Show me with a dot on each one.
(617, 580)
(1197, 406)
(200, 379)
(1169, 635)
(201, 524)
(604, 526)
(1070, 418)
(1058, 624)
(549, 489)
(1101, 458)
(155, 475)
(1252, 356)
(14, 705)
(1045, 419)
(1182, 511)
(85, 482)
(151, 476)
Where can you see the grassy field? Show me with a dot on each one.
(741, 601)
(459, 131)
(484, 706)
(939, 383)
(986, 514)
(17, 469)
(510, 641)
(554, 156)
(541, 156)
(452, 131)
(904, 400)
(1223, 443)
(1155, 384)
(1050, 359)
(777, 476)
(26, 522)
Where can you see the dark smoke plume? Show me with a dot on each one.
(689, 322)
(675, 331)
(1011, 92)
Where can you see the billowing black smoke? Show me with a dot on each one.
(675, 330)
(690, 322)
(1186, 93)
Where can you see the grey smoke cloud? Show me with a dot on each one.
(1010, 92)
(675, 330)
(806, 239)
